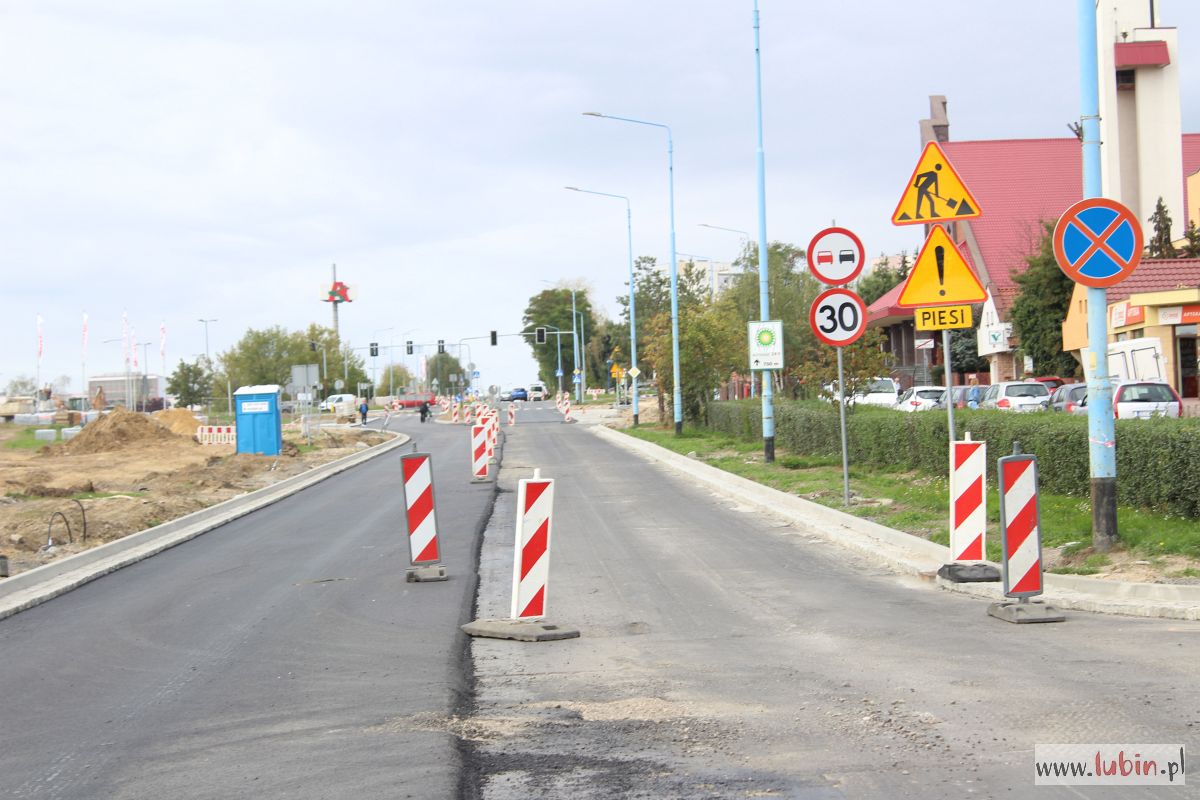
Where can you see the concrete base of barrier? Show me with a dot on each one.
(522, 630)
(969, 573)
(426, 573)
(1020, 613)
(477, 479)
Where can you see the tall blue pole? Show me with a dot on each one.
(1102, 446)
(575, 347)
(632, 311)
(764, 291)
(674, 271)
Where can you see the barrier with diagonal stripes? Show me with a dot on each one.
(531, 558)
(479, 459)
(968, 500)
(420, 516)
(1020, 526)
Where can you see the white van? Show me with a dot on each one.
(537, 391)
(338, 403)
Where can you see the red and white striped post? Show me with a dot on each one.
(479, 461)
(421, 518)
(968, 500)
(454, 415)
(1021, 539)
(531, 557)
(512, 414)
(566, 410)
(492, 421)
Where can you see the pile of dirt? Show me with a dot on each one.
(179, 420)
(118, 430)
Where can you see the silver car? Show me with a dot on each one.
(1141, 400)
(1016, 396)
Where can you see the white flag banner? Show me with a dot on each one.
(133, 338)
(40, 340)
(162, 340)
(85, 334)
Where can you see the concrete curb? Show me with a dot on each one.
(909, 554)
(33, 587)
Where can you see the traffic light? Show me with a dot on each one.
(374, 348)
(441, 345)
(493, 338)
(408, 347)
(539, 335)
(312, 345)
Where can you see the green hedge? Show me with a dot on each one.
(1156, 459)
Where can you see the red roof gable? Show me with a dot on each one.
(1159, 275)
(1141, 54)
(1191, 165)
(885, 310)
(1019, 183)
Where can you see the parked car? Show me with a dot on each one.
(959, 395)
(920, 398)
(332, 402)
(519, 393)
(1016, 396)
(1052, 381)
(537, 391)
(1142, 400)
(506, 395)
(1068, 396)
(879, 392)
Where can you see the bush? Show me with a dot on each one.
(1155, 458)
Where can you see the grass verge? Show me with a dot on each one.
(918, 503)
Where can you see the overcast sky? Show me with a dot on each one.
(184, 160)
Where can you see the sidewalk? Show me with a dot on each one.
(915, 556)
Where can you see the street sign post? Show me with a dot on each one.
(835, 256)
(839, 317)
(1098, 242)
(934, 193)
(766, 344)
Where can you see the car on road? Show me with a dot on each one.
(519, 393)
(879, 392)
(1016, 396)
(920, 398)
(1067, 397)
(1142, 400)
(959, 393)
(537, 391)
(506, 395)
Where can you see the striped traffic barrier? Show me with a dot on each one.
(1021, 541)
(421, 518)
(479, 462)
(968, 500)
(531, 557)
(512, 414)
(216, 434)
(454, 415)
(567, 410)
(492, 421)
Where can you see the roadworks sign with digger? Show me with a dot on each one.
(935, 192)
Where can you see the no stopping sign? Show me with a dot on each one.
(838, 317)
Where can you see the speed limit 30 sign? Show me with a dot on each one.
(838, 317)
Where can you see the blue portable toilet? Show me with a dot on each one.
(259, 422)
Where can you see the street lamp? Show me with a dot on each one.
(405, 361)
(575, 349)
(632, 292)
(374, 374)
(206, 358)
(764, 295)
(125, 382)
(678, 398)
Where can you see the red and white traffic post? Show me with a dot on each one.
(512, 414)
(968, 514)
(492, 421)
(531, 557)
(479, 460)
(454, 415)
(420, 517)
(1021, 539)
(566, 410)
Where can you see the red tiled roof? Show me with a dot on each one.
(1160, 275)
(885, 309)
(1019, 183)
(1141, 54)
(1191, 165)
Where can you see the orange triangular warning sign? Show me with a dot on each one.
(934, 193)
(941, 276)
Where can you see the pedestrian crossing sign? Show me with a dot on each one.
(941, 276)
(935, 192)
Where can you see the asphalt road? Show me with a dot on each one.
(727, 655)
(282, 655)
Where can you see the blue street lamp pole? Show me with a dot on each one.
(764, 295)
(678, 399)
(632, 291)
(1101, 434)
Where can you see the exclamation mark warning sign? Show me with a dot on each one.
(940, 276)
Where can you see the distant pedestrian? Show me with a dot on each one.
(362, 409)
(973, 393)
(424, 410)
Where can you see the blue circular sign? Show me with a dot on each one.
(1098, 242)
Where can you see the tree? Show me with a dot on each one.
(1039, 310)
(396, 378)
(21, 386)
(441, 367)
(881, 280)
(1160, 244)
(1191, 248)
(266, 357)
(551, 309)
(861, 362)
(191, 383)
